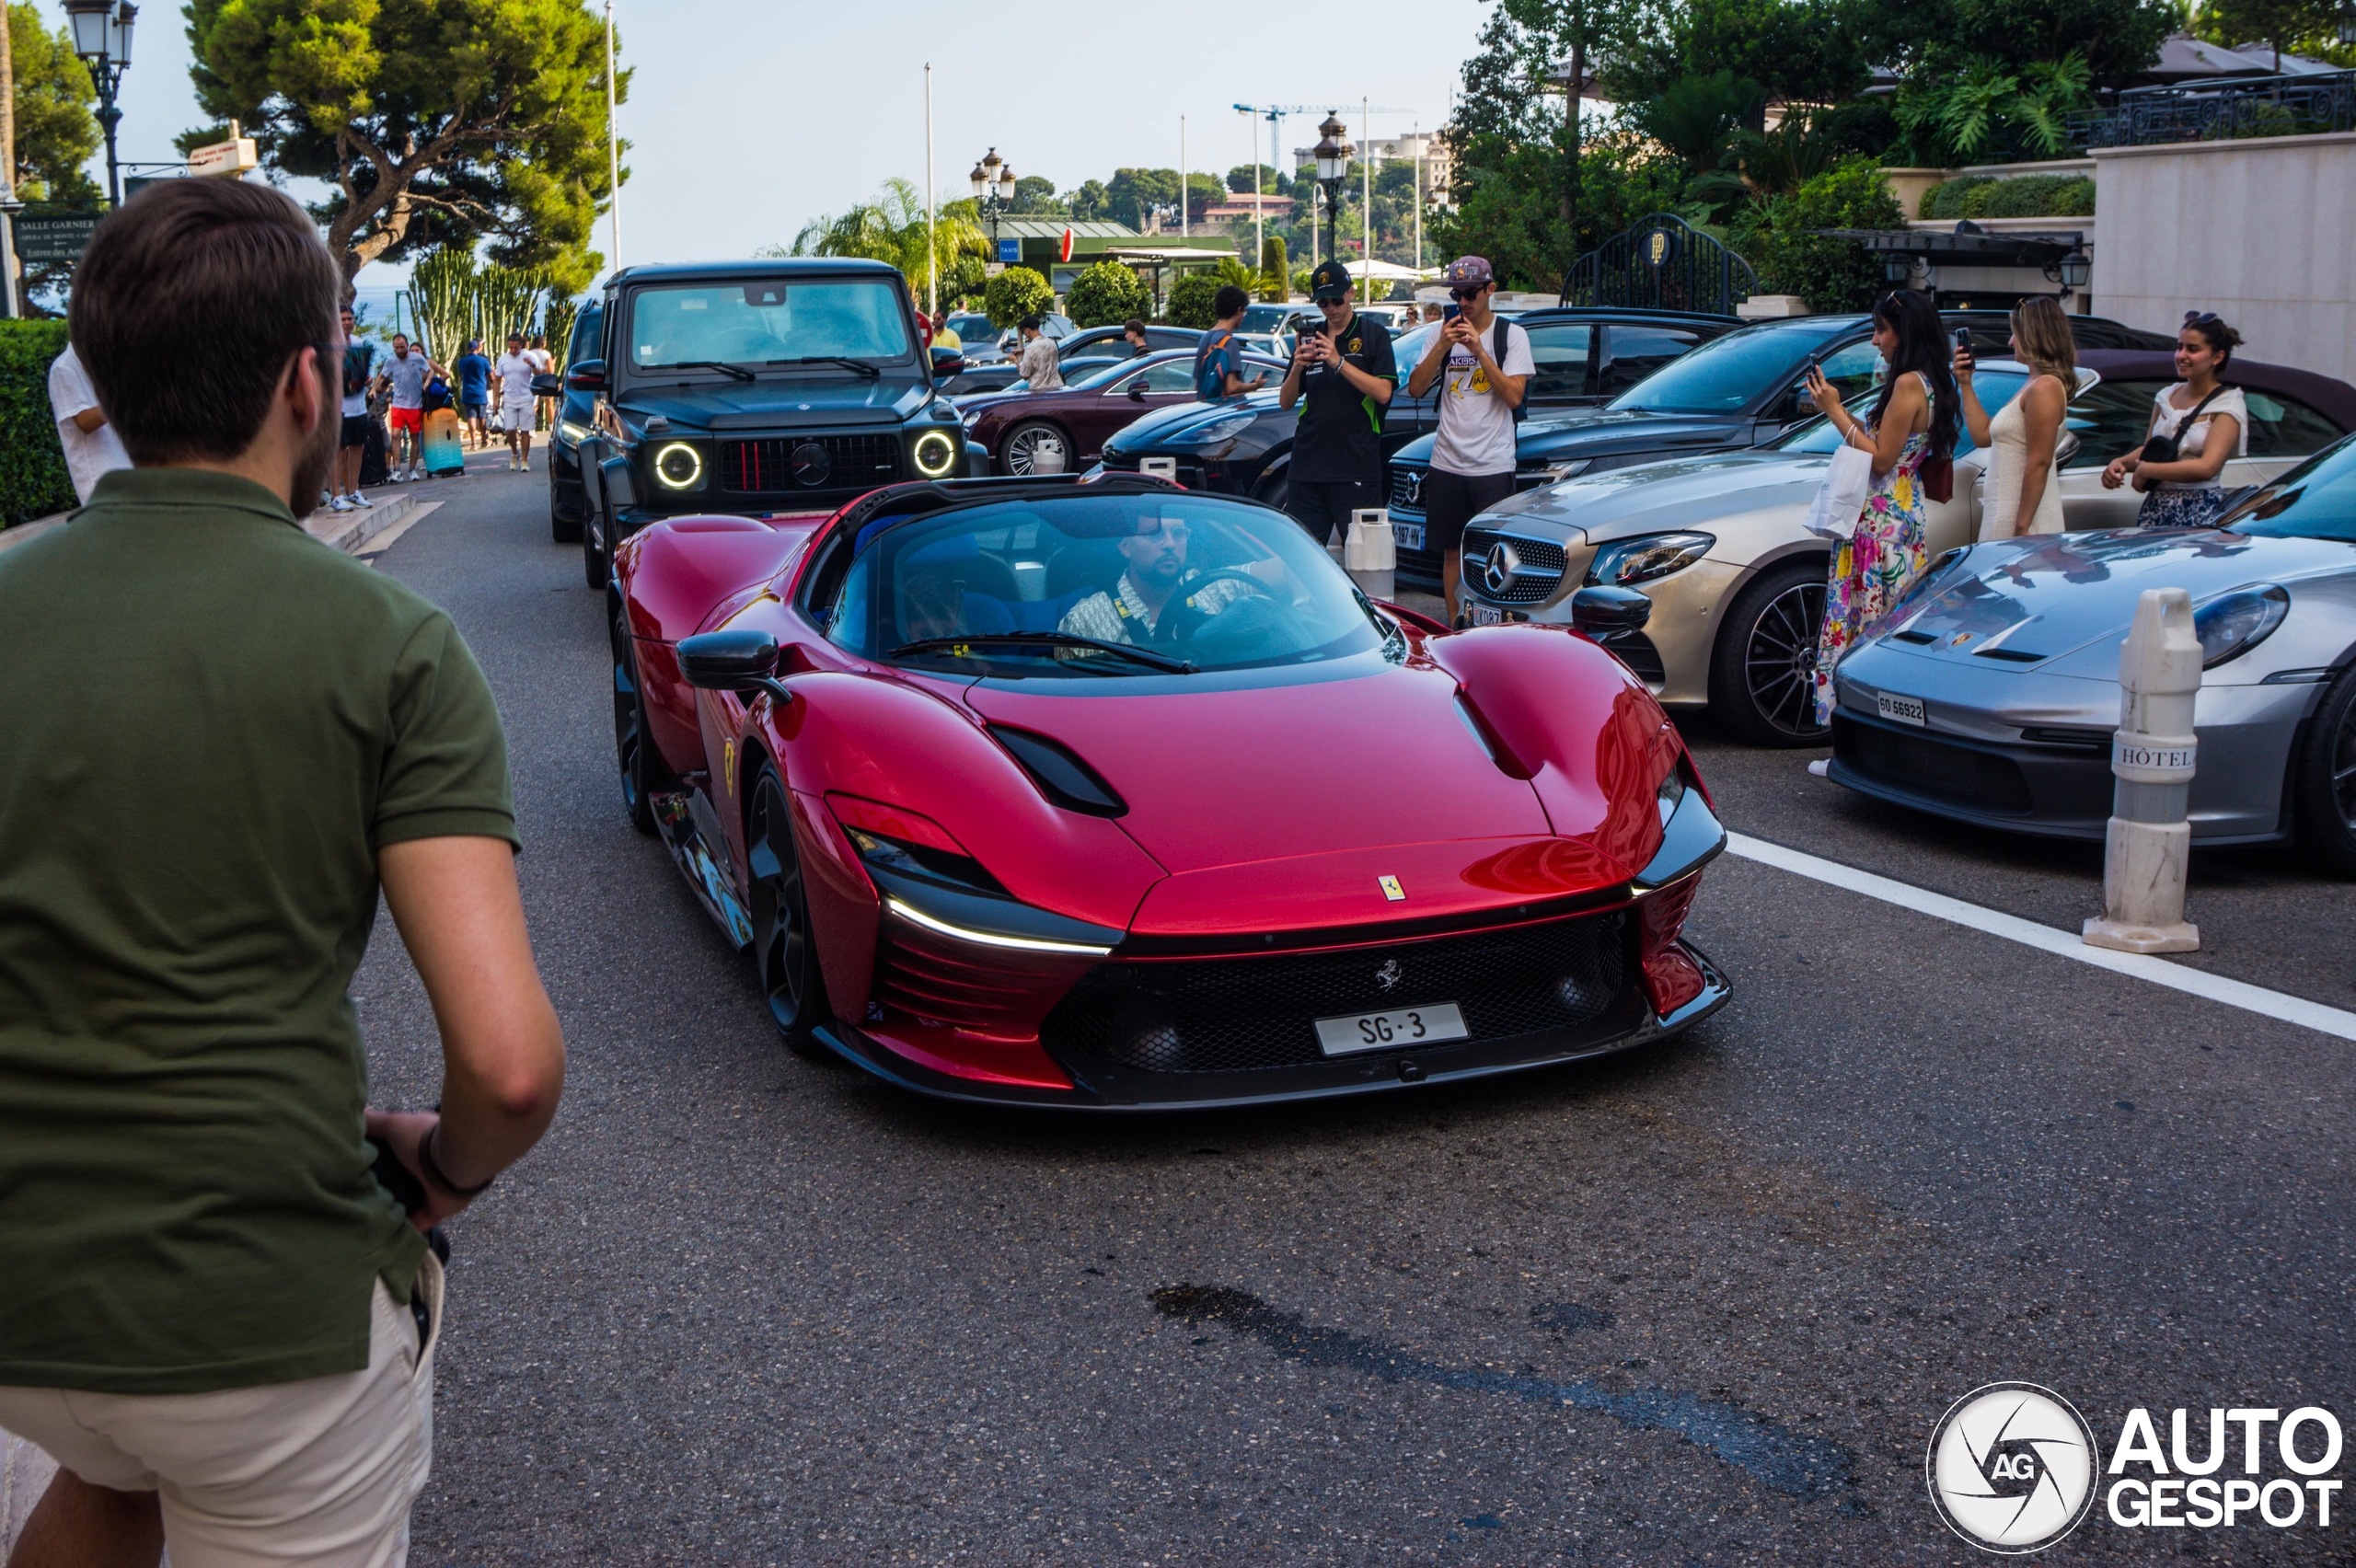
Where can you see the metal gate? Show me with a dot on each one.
(1663, 263)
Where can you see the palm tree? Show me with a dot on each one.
(892, 228)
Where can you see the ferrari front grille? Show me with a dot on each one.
(787, 463)
(1222, 1015)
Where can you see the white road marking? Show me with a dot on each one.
(380, 543)
(2062, 944)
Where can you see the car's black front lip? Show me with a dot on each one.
(2067, 789)
(1106, 1086)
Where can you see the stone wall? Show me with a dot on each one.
(2261, 231)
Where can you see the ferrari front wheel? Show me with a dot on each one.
(782, 951)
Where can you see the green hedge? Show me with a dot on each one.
(1192, 300)
(1106, 294)
(33, 480)
(2024, 196)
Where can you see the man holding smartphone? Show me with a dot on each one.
(1343, 376)
(1486, 365)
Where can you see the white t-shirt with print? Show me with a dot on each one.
(516, 372)
(1475, 424)
(88, 454)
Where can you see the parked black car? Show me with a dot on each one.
(1583, 356)
(1743, 388)
(573, 411)
(754, 387)
(1082, 353)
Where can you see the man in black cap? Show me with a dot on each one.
(1343, 376)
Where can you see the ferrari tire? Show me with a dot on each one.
(783, 953)
(1015, 452)
(643, 773)
(563, 529)
(1762, 672)
(2326, 790)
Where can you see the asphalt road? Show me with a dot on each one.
(1700, 1304)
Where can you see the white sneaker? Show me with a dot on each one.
(339, 504)
(358, 500)
(1822, 767)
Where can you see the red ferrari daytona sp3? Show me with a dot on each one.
(1113, 794)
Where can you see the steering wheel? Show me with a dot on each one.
(1265, 617)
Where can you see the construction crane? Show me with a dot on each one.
(1274, 113)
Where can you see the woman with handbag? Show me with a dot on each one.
(2022, 495)
(1911, 438)
(2197, 424)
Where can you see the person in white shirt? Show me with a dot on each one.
(2207, 421)
(1042, 368)
(513, 379)
(351, 443)
(1473, 454)
(91, 446)
(539, 354)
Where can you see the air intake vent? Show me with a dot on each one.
(1059, 773)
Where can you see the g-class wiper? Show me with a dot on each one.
(738, 371)
(1047, 640)
(861, 366)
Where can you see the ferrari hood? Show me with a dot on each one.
(1673, 493)
(2023, 604)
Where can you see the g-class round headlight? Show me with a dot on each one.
(678, 465)
(936, 454)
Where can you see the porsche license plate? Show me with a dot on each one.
(1391, 1031)
(1486, 614)
(1900, 709)
(1407, 535)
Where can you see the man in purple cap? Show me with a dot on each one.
(1483, 364)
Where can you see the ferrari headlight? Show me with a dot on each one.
(1211, 434)
(1629, 561)
(935, 454)
(2232, 624)
(678, 467)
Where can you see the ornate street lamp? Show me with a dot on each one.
(102, 43)
(993, 182)
(1333, 154)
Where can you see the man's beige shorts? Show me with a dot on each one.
(316, 1472)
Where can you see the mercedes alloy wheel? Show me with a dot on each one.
(1762, 680)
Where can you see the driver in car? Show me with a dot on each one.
(1152, 602)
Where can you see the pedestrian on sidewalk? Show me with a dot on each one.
(92, 448)
(405, 373)
(1343, 378)
(474, 393)
(1219, 356)
(545, 363)
(352, 443)
(1041, 367)
(516, 368)
(217, 1322)
(2197, 424)
(1913, 422)
(1482, 364)
(2024, 493)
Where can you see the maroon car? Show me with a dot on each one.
(1082, 414)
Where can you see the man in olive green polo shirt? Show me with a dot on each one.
(222, 738)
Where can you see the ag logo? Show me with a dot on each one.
(2012, 1468)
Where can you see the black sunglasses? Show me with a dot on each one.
(2195, 317)
(1459, 295)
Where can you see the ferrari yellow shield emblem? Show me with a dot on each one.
(1391, 890)
(728, 764)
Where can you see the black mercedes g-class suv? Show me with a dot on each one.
(754, 387)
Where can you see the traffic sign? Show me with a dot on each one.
(58, 239)
(1009, 251)
(233, 157)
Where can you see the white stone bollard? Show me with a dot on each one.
(2148, 847)
(1371, 554)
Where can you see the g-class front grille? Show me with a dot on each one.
(809, 463)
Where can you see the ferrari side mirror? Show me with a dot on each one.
(1599, 613)
(741, 662)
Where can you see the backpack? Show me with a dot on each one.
(358, 359)
(1211, 367)
(1498, 352)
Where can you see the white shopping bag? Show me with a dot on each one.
(1847, 481)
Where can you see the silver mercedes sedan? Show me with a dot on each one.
(1991, 693)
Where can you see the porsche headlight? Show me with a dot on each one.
(1213, 432)
(2232, 624)
(1629, 561)
(935, 454)
(678, 467)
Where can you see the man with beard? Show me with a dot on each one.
(224, 737)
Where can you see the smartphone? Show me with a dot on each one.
(1451, 313)
(1963, 339)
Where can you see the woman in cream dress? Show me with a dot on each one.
(2022, 495)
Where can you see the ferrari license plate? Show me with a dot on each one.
(1407, 535)
(1390, 1031)
(1486, 614)
(1900, 709)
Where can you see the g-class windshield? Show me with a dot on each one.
(771, 322)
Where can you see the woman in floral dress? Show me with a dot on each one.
(1913, 422)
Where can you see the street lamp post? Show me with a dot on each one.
(993, 182)
(102, 43)
(1333, 156)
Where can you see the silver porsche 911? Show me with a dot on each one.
(1991, 691)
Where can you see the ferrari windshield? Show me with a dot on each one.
(1723, 376)
(1994, 389)
(1186, 581)
(774, 321)
(2314, 501)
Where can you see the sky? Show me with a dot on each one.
(749, 117)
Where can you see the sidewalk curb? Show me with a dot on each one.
(345, 531)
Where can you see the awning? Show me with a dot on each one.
(1966, 243)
